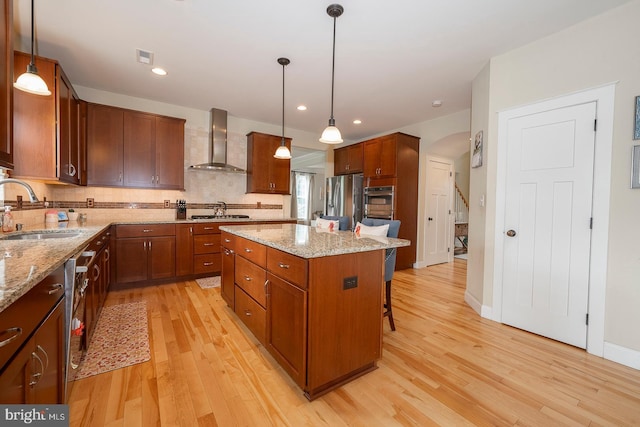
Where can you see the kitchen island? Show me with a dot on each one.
(313, 298)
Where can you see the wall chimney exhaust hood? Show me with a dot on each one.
(218, 145)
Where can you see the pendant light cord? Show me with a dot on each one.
(333, 65)
(283, 65)
(32, 33)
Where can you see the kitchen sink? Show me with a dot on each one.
(219, 216)
(41, 236)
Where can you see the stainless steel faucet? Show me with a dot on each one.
(32, 195)
(221, 211)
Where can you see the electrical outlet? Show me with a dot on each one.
(349, 282)
(259, 205)
(167, 203)
(89, 202)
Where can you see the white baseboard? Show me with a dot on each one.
(473, 302)
(624, 356)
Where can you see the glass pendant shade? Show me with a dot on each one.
(331, 135)
(282, 152)
(32, 83)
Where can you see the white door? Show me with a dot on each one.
(439, 226)
(548, 208)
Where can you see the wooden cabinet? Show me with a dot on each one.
(184, 249)
(348, 159)
(393, 160)
(227, 282)
(266, 174)
(6, 84)
(46, 129)
(127, 148)
(206, 249)
(32, 350)
(145, 252)
(99, 276)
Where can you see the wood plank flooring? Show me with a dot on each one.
(444, 366)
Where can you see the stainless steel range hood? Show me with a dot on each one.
(218, 145)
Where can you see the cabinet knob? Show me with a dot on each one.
(247, 313)
(247, 250)
(247, 278)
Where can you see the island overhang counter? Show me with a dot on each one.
(313, 298)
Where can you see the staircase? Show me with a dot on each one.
(461, 223)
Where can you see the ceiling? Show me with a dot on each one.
(393, 58)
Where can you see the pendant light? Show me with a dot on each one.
(331, 134)
(283, 152)
(30, 81)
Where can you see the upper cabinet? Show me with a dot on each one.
(380, 157)
(6, 84)
(46, 129)
(348, 159)
(127, 148)
(265, 173)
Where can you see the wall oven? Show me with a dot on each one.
(76, 282)
(378, 202)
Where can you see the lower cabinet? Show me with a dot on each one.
(145, 252)
(99, 276)
(184, 249)
(227, 285)
(36, 373)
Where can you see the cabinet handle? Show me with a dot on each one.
(96, 271)
(207, 264)
(46, 363)
(107, 254)
(190, 230)
(227, 240)
(120, 177)
(247, 278)
(55, 288)
(149, 245)
(207, 244)
(17, 332)
(147, 230)
(247, 313)
(152, 179)
(208, 228)
(99, 243)
(266, 287)
(72, 170)
(282, 265)
(247, 250)
(144, 245)
(157, 179)
(35, 377)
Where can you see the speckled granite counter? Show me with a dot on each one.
(310, 242)
(25, 263)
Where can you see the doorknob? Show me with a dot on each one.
(511, 233)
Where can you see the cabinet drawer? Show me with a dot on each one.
(206, 244)
(251, 278)
(254, 252)
(251, 314)
(100, 241)
(145, 230)
(206, 228)
(228, 240)
(289, 267)
(22, 317)
(207, 263)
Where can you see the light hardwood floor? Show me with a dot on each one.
(443, 366)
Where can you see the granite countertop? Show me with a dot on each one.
(25, 263)
(310, 242)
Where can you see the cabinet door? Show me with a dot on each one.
(6, 84)
(287, 326)
(34, 124)
(139, 134)
(388, 155)
(228, 277)
(266, 174)
(104, 145)
(169, 152)
(372, 152)
(162, 257)
(131, 260)
(68, 148)
(340, 161)
(356, 160)
(184, 249)
(49, 347)
(16, 377)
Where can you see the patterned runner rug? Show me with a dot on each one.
(121, 339)
(209, 282)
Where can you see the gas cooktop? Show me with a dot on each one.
(218, 216)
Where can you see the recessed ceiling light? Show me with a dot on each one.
(357, 122)
(302, 107)
(437, 103)
(159, 71)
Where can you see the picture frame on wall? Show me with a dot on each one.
(636, 122)
(476, 157)
(635, 167)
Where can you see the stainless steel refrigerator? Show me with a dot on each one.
(344, 197)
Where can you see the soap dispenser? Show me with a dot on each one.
(7, 219)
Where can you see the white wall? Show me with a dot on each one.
(591, 54)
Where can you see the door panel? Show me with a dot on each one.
(548, 206)
(438, 226)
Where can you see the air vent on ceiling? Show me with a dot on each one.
(144, 56)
